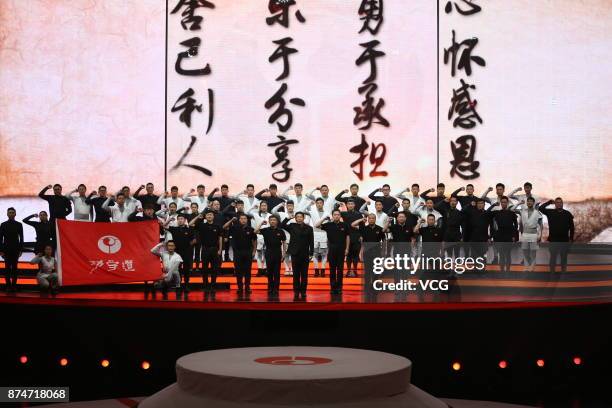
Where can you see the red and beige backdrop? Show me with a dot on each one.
(99, 92)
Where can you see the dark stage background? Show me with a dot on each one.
(433, 340)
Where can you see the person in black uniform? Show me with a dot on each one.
(560, 232)
(452, 220)
(211, 239)
(352, 258)
(244, 244)
(373, 237)
(274, 240)
(59, 205)
(432, 237)
(338, 243)
(271, 198)
(224, 198)
(184, 240)
(354, 190)
(387, 200)
(11, 245)
(402, 236)
(96, 200)
(148, 214)
(505, 234)
(44, 231)
(149, 197)
(301, 249)
(440, 188)
(479, 222)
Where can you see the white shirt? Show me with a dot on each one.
(249, 202)
(118, 214)
(329, 202)
(423, 212)
(315, 217)
(82, 210)
(202, 201)
(531, 222)
(46, 264)
(171, 262)
(180, 203)
(300, 203)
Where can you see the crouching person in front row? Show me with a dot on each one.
(171, 261)
(47, 273)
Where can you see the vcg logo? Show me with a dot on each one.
(109, 244)
(293, 360)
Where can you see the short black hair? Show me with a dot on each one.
(432, 216)
(239, 202)
(200, 186)
(181, 215)
(272, 186)
(11, 209)
(336, 211)
(173, 203)
(354, 185)
(416, 185)
(403, 213)
(500, 185)
(149, 184)
(170, 241)
(174, 188)
(298, 185)
(299, 213)
(250, 185)
(527, 184)
(81, 185)
(276, 217)
(208, 211)
(504, 198)
(57, 185)
(324, 185)
(386, 185)
(224, 186)
(120, 195)
(441, 185)
(102, 186)
(319, 199)
(289, 202)
(148, 207)
(378, 201)
(350, 200)
(530, 199)
(469, 185)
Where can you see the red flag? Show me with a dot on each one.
(93, 253)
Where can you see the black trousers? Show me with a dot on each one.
(210, 265)
(558, 250)
(353, 254)
(452, 249)
(197, 250)
(243, 260)
(478, 250)
(335, 257)
(273, 262)
(10, 268)
(187, 265)
(299, 264)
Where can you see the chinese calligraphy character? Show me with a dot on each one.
(466, 58)
(464, 107)
(463, 163)
(282, 51)
(471, 7)
(376, 155)
(189, 17)
(372, 15)
(282, 18)
(281, 110)
(193, 44)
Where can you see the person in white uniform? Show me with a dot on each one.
(47, 274)
(165, 199)
(119, 211)
(171, 263)
(300, 201)
(414, 197)
(199, 198)
(248, 198)
(530, 226)
(259, 213)
(82, 210)
(288, 213)
(317, 215)
(329, 202)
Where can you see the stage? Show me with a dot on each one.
(493, 290)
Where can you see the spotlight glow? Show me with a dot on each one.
(145, 365)
(577, 361)
(456, 366)
(105, 363)
(23, 359)
(503, 364)
(63, 361)
(540, 363)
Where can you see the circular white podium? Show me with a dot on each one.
(292, 377)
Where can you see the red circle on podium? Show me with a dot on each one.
(293, 360)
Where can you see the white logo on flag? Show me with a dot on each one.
(109, 244)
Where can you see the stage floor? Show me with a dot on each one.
(580, 284)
